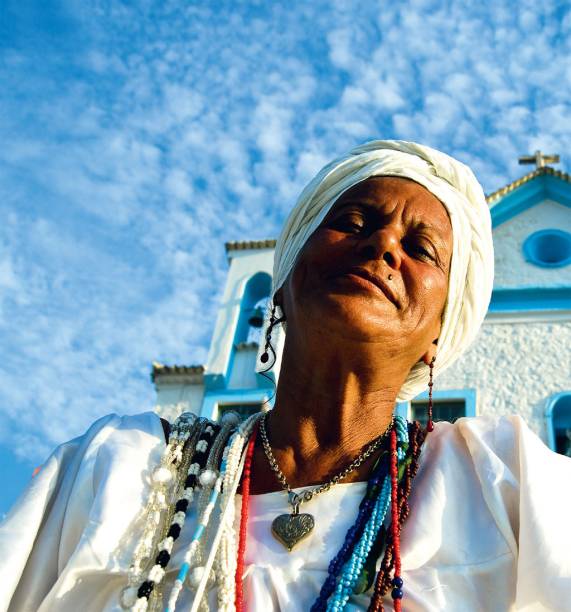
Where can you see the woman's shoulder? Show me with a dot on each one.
(501, 435)
(109, 437)
(113, 424)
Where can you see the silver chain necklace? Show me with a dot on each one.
(290, 529)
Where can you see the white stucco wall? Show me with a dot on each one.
(515, 368)
(511, 268)
(174, 398)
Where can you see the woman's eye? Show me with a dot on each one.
(420, 250)
(423, 252)
(351, 222)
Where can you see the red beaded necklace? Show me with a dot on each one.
(246, 477)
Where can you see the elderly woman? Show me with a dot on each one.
(383, 274)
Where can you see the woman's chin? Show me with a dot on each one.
(355, 317)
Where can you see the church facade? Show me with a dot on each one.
(519, 364)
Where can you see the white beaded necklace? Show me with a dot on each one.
(216, 497)
(153, 515)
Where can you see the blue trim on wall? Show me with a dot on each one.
(528, 195)
(468, 395)
(530, 299)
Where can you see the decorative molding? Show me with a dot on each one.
(250, 245)
(509, 317)
(193, 374)
(493, 197)
(544, 186)
(526, 299)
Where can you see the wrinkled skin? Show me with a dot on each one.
(351, 341)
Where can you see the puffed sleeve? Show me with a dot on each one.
(528, 490)
(63, 529)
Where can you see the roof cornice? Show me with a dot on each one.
(493, 197)
(249, 245)
(193, 374)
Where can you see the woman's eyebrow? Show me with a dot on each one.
(360, 202)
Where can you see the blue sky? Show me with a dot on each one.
(138, 137)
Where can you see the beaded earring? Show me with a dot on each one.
(429, 423)
(264, 358)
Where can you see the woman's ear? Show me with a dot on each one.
(278, 300)
(431, 352)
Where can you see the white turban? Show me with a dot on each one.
(454, 184)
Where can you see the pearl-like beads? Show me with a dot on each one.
(208, 478)
(162, 475)
(230, 418)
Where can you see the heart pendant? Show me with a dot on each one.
(290, 529)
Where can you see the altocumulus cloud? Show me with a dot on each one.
(138, 137)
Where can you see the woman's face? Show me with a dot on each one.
(376, 269)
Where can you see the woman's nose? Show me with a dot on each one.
(383, 244)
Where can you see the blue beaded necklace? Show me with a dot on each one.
(346, 567)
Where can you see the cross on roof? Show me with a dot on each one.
(539, 159)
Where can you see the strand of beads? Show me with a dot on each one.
(367, 531)
(395, 527)
(228, 471)
(246, 474)
(353, 533)
(226, 558)
(353, 567)
(208, 479)
(153, 514)
(383, 580)
(157, 571)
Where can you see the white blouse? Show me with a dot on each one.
(488, 529)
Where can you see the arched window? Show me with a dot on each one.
(242, 366)
(253, 306)
(558, 420)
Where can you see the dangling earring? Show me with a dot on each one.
(265, 355)
(429, 423)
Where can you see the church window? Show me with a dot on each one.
(447, 405)
(442, 410)
(558, 417)
(549, 248)
(243, 410)
(252, 309)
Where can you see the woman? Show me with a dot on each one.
(382, 277)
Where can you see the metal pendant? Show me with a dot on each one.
(289, 529)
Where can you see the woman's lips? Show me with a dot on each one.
(371, 282)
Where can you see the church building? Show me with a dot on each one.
(519, 364)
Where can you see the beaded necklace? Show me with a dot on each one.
(205, 432)
(188, 472)
(388, 486)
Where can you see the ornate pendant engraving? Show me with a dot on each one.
(290, 529)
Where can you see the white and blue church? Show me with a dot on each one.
(519, 364)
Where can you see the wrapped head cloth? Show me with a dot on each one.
(454, 184)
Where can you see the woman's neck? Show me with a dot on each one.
(327, 411)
